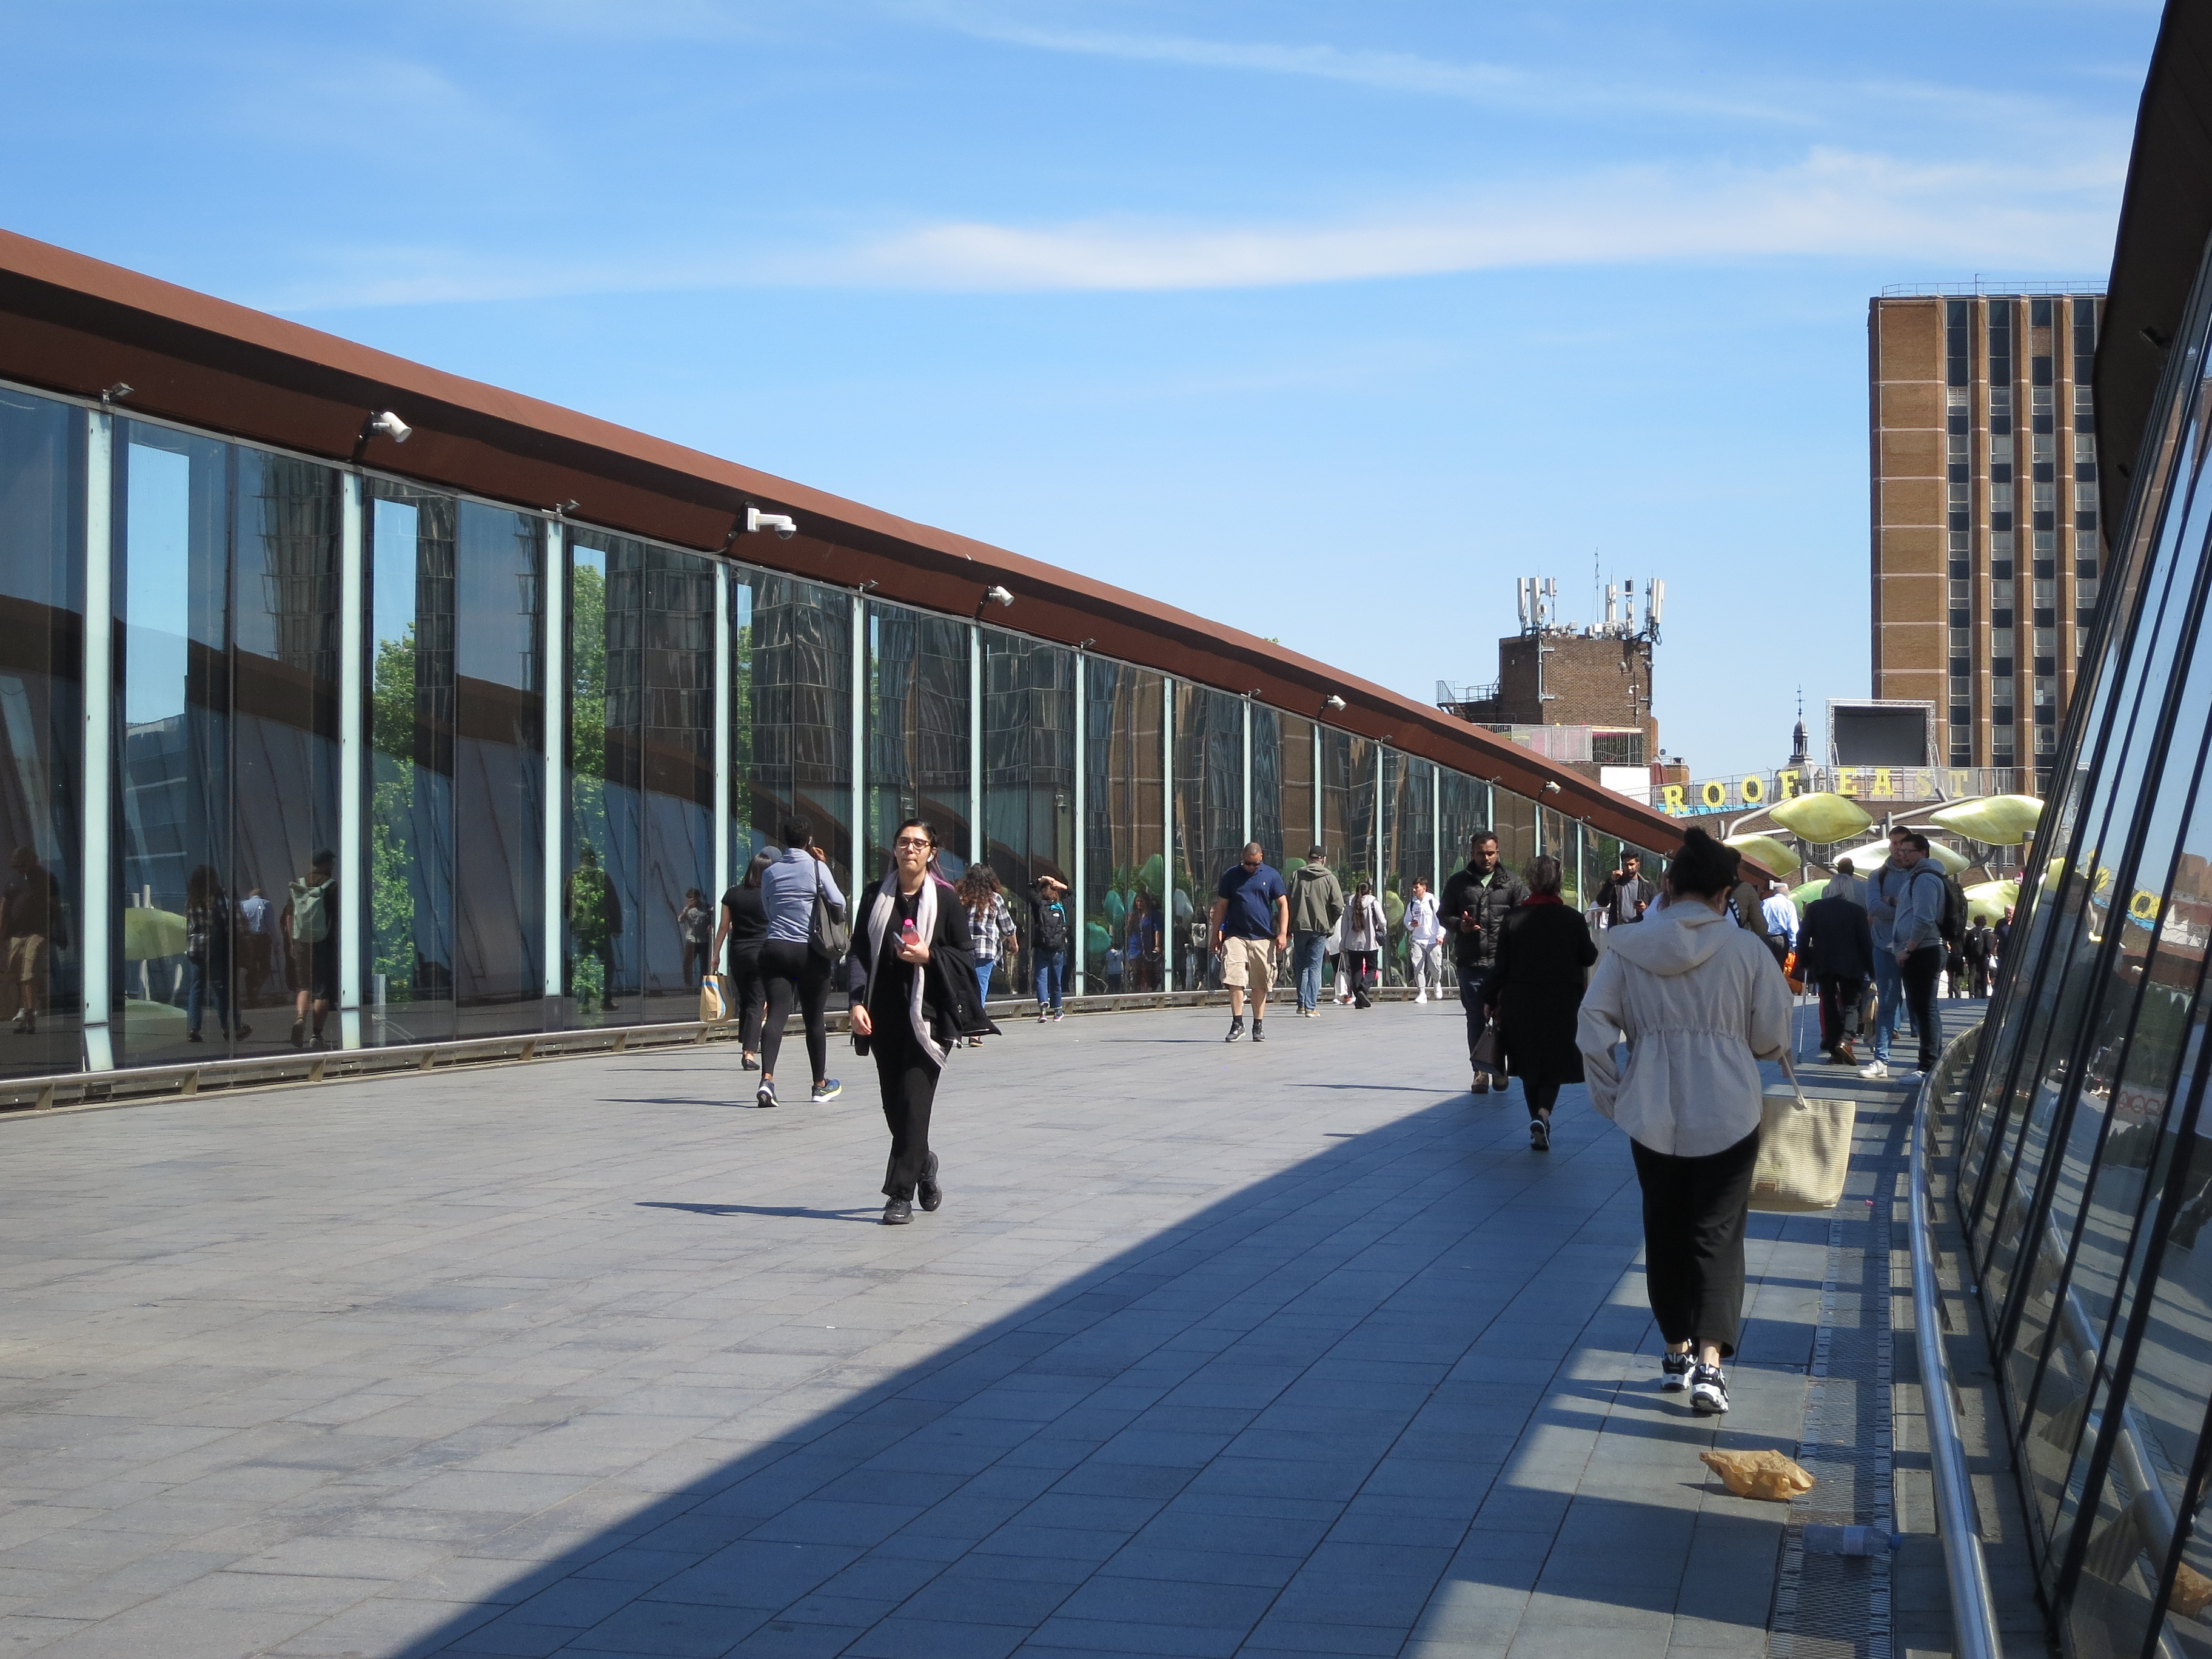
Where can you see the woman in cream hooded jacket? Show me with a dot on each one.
(1700, 1002)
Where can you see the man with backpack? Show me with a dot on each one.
(1917, 941)
(310, 926)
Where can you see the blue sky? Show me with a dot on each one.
(1329, 321)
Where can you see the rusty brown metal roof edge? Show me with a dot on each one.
(80, 324)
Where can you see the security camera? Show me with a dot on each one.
(997, 596)
(1551, 789)
(782, 523)
(391, 426)
(1334, 701)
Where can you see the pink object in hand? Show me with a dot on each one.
(907, 934)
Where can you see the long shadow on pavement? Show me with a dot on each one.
(1357, 1402)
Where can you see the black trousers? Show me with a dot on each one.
(1543, 1096)
(1839, 1007)
(1694, 1218)
(1473, 984)
(1920, 972)
(750, 991)
(908, 1077)
(795, 977)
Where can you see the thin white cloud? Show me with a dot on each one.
(1384, 71)
(1831, 205)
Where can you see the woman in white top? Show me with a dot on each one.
(1365, 929)
(1701, 1003)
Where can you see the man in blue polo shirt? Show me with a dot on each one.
(1251, 923)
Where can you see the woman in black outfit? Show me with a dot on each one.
(1536, 994)
(914, 996)
(744, 925)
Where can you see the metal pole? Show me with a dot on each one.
(1082, 865)
(1973, 1606)
(353, 759)
(95, 852)
(858, 839)
(1248, 768)
(720, 813)
(978, 847)
(1170, 943)
(556, 771)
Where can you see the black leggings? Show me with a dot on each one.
(908, 1077)
(750, 994)
(795, 976)
(1543, 1096)
(1694, 1210)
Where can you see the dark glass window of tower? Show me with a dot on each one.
(2000, 343)
(1956, 328)
(2085, 344)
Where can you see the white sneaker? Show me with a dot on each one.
(1675, 1370)
(1709, 1391)
(1875, 1068)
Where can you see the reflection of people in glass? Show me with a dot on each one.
(208, 934)
(990, 924)
(595, 922)
(310, 926)
(797, 975)
(1143, 963)
(30, 910)
(693, 924)
(256, 936)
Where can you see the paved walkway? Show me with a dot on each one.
(1282, 1350)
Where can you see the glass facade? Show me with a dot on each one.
(566, 741)
(2084, 1180)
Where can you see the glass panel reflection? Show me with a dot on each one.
(1124, 823)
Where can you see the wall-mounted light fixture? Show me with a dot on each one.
(992, 595)
(1084, 645)
(782, 523)
(866, 585)
(381, 423)
(1552, 788)
(1333, 701)
(561, 509)
(118, 393)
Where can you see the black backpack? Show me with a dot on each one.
(1051, 929)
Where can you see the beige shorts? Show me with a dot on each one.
(1247, 961)
(25, 952)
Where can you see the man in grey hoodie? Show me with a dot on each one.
(1316, 901)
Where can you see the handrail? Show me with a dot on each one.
(1974, 1605)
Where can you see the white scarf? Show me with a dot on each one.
(925, 926)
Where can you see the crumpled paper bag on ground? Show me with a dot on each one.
(2192, 1591)
(1757, 1474)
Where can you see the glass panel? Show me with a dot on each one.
(601, 919)
(918, 733)
(1124, 814)
(1209, 820)
(283, 742)
(410, 816)
(1516, 826)
(41, 729)
(1408, 849)
(1028, 777)
(1347, 814)
(499, 772)
(1465, 808)
(172, 579)
(795, 743)
(677, 731)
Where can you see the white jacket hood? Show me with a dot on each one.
(1683, 936)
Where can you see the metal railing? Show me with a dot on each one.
(1974, 1605)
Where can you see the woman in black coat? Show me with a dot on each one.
(914, 997)
(1544, 955)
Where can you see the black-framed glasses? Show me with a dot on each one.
(904, 842)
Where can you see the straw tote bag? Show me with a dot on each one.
(1804, 1150)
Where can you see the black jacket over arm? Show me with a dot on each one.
(1834, 942)
(952, 995)
(1543, 952)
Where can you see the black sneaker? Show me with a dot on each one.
(1539, 1135)
(1674, 1372)
(1236, 1029)
(765, 1095)
(925, 1190)
(1708, 1391)
(1258, 1036)
(898, 1212)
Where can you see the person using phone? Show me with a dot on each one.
(914, 998)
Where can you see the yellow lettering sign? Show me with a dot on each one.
(2143, 906)
(1847, 781)
(1754, 790)
(1881, 785)
(1715, 793)
(1787, 783)
(1670, 796)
